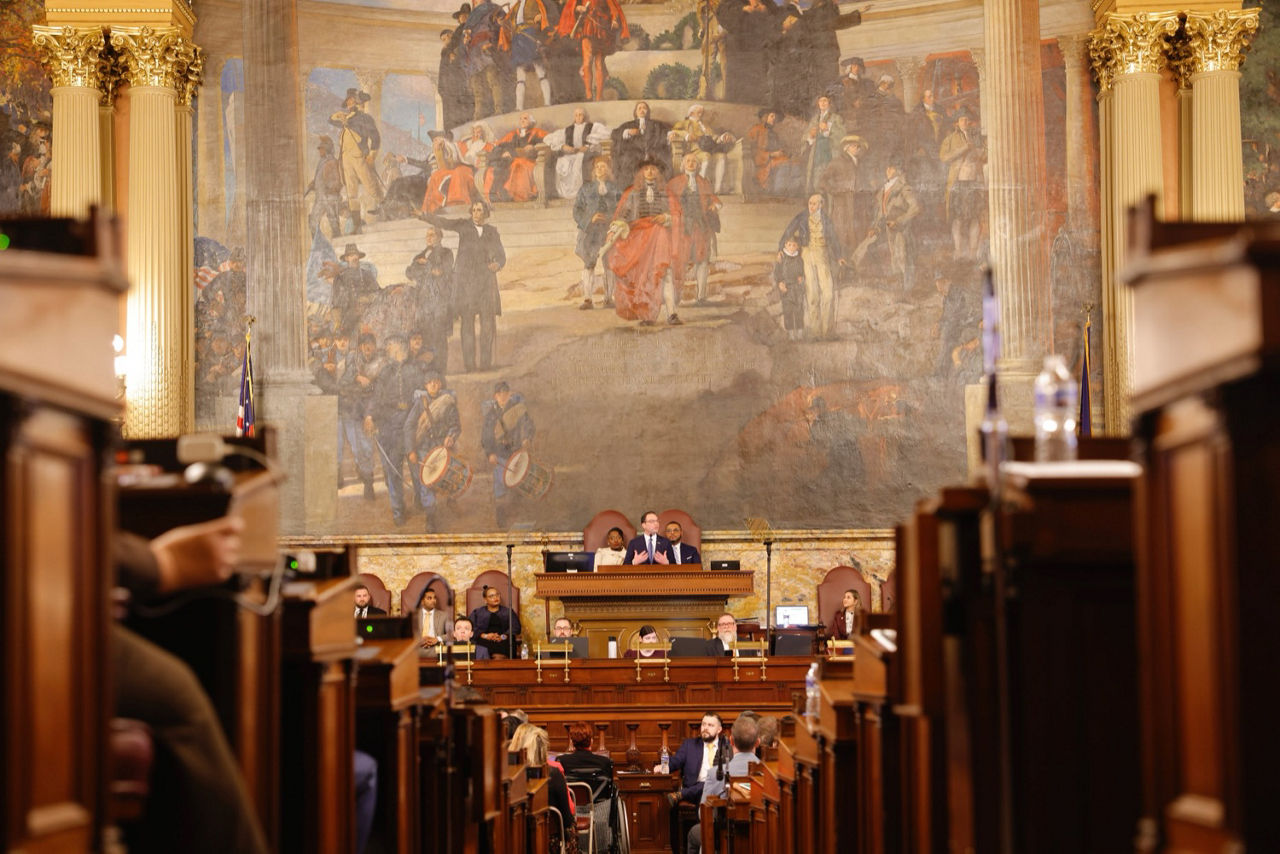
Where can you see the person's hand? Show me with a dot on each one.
(782, 286)
(493, 459)
(664, 219)
(363, 380)
(660, 557)
(599, 218)
(429, 642)
(413, 456)
(193, 555)
(640, 558)
(629, 132)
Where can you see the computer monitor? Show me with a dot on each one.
(688, 647)
(726, 565)
(553, 648)
(791, 615)
(570, 562)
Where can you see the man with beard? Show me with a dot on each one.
(433, 422)
(385, 420)
(642, 138)
(592, 210)
(775, 174)
(432, 271)
(695, 759)
(726, 635)
(696, 223)
(475, 283)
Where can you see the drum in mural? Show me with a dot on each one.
(445, 473)
(527, 477)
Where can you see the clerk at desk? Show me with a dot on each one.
(650, 546)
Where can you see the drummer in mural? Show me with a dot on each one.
(433, 427)
(508, 430)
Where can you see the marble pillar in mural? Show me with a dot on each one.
(275, 253)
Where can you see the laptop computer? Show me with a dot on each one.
(688, 647)
(577, 648)
(722, 565)
(570, 562)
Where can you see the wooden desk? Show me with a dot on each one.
(606, 692)
(318, 710)
(648, 810)
(615, 601)
(387, 716)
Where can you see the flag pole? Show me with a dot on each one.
(1084, 423)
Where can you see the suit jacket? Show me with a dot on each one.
(688, 760)
(443, 624)
(373, 611)
(716, 647)
(637, 546)
(475, 286)
(688, 554)
(581, 763)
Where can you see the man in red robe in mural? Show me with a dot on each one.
(516, 156)
(601, 26)
(642, 249)
(452, 182)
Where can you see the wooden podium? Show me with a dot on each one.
(616, 601)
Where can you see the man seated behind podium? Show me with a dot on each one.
(745, 738)
(614, 549)
(462, 630)
(696, 758)
(726, 634)
(649, 546)
(364, 605)
(432, 625)
(682, 552)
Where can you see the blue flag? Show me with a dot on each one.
(1085, 425)
(244, 414)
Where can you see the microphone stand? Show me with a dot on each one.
(768, 593)
(511, 624)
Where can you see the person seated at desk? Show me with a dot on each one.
(462, 630)
(745, 739)
(696, 759)
(726, 634)
(615, 548)
(682, 552)
(562, 628)
(649, 546)
(497, 627)
(364, 605)
(647, 634)
(845, 622)
(533, 743)
(432, 625)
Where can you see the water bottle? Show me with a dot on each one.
(812, 698)
(1056, 400)
(613, 647)
(664, 760)
(524, 650)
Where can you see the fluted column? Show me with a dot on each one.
(909, 73)
(1128, 52)
(75, 59)
(1216, 45)
(1013, 118)
(188, 83)
(107, 138)
(159, 374)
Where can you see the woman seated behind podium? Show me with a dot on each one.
(614, 549)
(497, 627)
(534, 743)
(647, 634)
(844, 625)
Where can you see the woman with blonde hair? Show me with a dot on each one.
(534, 743)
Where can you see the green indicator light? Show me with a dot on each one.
(4, 241)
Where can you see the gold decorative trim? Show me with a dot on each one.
(152, 57)
(74, 57)
(1219, 41)
(1130, 44)
(192, 75)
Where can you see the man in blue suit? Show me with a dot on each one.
(696, 758)
(682, 552)
(649, 546)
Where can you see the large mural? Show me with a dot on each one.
(591, 260)
(1260, 116)
(25, 114)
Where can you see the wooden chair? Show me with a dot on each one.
(411, 596)
(379, 595)
(888, 594)
(692, 533)
(596, 533)
(491, 578)
(832, 587)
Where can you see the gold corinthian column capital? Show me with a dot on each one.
(73, 57)
(152, 57)
(191, 57)
(1130, 44)
(1219, 41)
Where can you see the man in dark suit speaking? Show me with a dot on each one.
(649, 546)
(696, 758)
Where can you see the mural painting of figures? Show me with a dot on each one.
(832, 402)
(433, 423)
(358, 144)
